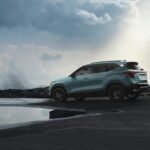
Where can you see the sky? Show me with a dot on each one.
(41, 41)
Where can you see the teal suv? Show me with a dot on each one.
(117, 80)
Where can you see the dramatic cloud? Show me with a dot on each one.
(63, 18)
(40, 36)
(91, 18)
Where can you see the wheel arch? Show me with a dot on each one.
(114, 83)
(58, 86)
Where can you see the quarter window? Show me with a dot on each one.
(113, 66)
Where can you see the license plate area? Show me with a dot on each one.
(142, 77)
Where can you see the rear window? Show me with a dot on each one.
(133, 66)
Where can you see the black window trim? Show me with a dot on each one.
(73, 74)
(107, 64)
(92, 66)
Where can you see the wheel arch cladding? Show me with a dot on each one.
(114, 83)
(59, 86)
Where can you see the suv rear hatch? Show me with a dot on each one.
(137, 73)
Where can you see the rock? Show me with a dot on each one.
(27, 93)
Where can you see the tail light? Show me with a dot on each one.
(131, 74)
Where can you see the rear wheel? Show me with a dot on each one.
(60, 95)
(116, 93)
(132, 96)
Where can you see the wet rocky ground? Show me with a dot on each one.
(41, 92)
(105, 126)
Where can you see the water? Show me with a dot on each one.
(15, 112)
(15, 115)
(22, 101)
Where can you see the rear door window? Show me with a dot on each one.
(105, 68)
(100, 68)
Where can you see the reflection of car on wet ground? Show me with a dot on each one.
(116, 79)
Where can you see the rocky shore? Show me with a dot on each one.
(124, 130)
(41, 92)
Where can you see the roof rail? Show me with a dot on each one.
(109, 61)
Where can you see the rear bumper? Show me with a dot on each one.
(140, 87)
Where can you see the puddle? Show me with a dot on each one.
(14, 115)
(11, 116)
(16, 101)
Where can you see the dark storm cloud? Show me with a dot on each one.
(48, 57)
(69, 19)
(72, 20)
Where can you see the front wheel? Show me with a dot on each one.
(116, 93)
(60, 95)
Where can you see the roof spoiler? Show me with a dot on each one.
(132, 62)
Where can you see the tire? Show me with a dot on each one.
(132, 96)
(79, 98)
(116, 93)
(59, 95)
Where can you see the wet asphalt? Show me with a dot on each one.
(105, 126)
